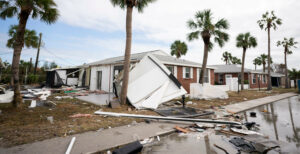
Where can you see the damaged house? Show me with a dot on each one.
(100, 75)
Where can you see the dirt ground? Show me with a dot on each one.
(24, 125)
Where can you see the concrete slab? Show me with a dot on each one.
(95, 141)
(97, 99)
(246, 105)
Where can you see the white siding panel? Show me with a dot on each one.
(107, 72)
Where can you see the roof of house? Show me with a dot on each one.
(231, 68)
(136, 57)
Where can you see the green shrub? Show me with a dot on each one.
(246, 82)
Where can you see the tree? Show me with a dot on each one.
(178, 48)
(235, 60)
(268, 21)
(24, 9)
(287, 45)
(129, 5)
(263, 59)
(294, 74)
(30, 37)
(226, 57)
(53, 65)
(245, 41)
(204, 27)
(256, 61)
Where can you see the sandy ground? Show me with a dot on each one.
(24, 125)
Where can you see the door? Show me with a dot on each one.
(99, 79)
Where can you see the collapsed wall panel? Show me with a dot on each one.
(150, 84)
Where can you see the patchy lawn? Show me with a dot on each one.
(235, 97)
(24, 125)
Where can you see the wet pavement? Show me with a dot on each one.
(279, 121)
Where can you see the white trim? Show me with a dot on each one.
(175, 72)
(183, 72)
(191, 72)
(198, 71)
(208, 72)
(180, 64)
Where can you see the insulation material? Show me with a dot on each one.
(150, 84)
(197, 91)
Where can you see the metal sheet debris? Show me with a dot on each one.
(166, 118)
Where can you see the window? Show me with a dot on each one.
(206, 76)
(99, 79)
(264, 78)
(187, 72)
(253, 78)
(228, 76)
(171, 69)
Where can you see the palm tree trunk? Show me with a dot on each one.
(269, 60)
(127, 55)
(17, 55)
(242, 71)
(274, 121)
(255, 67)
(286, 71)
(292, 120)
(204, 62)
(38, 54)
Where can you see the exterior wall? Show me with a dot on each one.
(212, 77)
(234, 75)
(184, 81)
(107, 72)
(256, 85)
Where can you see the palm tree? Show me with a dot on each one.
(24, 9)
(268, 21)
(294, 74)
(129, 5)
(235, 60)
(245, 41)
(30, 37)
(287, 45)
(226, 57)
(204, 27)
(263, 58)
(256, 61)
(178, 48)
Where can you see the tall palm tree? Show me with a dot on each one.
(294, 74)
(178, 48)
(24, 9)
(245, 41)
(30, 37)
(227, 57)
(235, 60)
(263, 58)
(287, 45)
(268, 21)
(128, 5)
(204, 27)
(256, 62)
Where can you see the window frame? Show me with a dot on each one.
(254, 78)
(189, 73)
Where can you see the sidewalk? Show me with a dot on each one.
(95, 141)
(243, 106)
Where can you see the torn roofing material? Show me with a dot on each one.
(150, 84)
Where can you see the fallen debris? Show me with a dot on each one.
(181, 129)
(221, 148)
(166, 118)
(7, 96)
(33, 104)
(70, 145)
(134, 147)
(80, 115)
(246, 132)
(50, 119)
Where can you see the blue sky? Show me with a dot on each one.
(92, 30)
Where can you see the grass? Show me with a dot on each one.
(24, 125)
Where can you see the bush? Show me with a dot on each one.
(32, 78)
(246, 82)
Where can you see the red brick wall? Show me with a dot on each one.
(262, 85)
(186, 82)
(212, 77)
(234, 75)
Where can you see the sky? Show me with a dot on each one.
(92, 30)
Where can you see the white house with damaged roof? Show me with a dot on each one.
(100, 75)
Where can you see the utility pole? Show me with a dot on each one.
(30, 64)
(38, 54)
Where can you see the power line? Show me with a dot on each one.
(63, 59)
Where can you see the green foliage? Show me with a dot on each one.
(204, 27)
(245, 41)
(257, 61)
(30, 37)
(178, 48)
(226, 57)
(246, 82)
(43, 9)
(263, 59)
(235, 60)
(32, 78)
(269, 20)
(288, 44)
(139, 4)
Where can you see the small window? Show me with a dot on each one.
(171, 69)
(253, 78)
(187, 72)
(228, 76)
(264, 78)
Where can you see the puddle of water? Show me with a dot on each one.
(280, 121)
